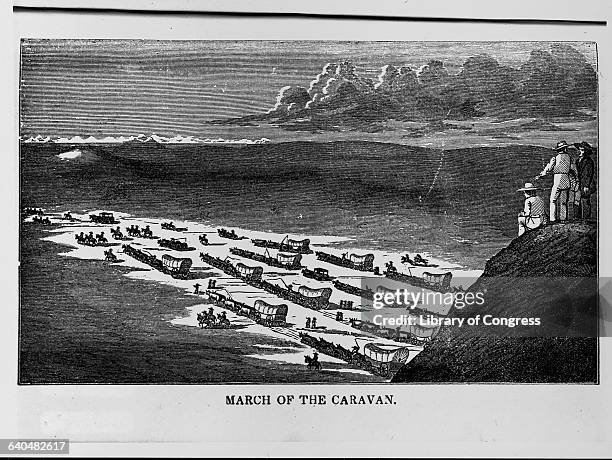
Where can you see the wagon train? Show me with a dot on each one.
(319, 274)
(282, 260)
(175, 244)
(286, 245)
(377, 359)
(252, 275)
(261, 312)
(363, 263)
(173, 266)
(434, 281)
(415, 334)
(315, 299)
(229, 234)
(103, 218)
(171, 226)
(363, 293)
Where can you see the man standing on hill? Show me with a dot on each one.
(560, 166)
(586, 178)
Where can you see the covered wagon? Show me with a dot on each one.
(386, 359)
(439, 281)
(291, 261)
(250, 274)
(314, 298)
(363, 262)
(300, 246)
(271, 315)
(287, 244)
(178, 267)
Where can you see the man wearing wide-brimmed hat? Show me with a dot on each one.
(534, 213)
(560, 166)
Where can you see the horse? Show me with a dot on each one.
(312, 363)
(109, 256)
(223, 321)
(117, 233)
(407, 260)
(133, 230)
(202, 319)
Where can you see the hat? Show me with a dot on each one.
(528, 186)
(584, 145)
(561, 145)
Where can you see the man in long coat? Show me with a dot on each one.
(586, 178)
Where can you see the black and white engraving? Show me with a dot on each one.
(198, 212)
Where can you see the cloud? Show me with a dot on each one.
(290, 99)
(397, 79)
(333, 76)
(558, 81)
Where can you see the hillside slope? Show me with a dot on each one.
(549, 273)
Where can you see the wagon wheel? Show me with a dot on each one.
(385, 370)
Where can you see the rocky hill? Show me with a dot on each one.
(550, 274)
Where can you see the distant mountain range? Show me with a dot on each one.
(552, 85)
(140, 139)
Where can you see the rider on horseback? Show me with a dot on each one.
(313, 362)
(390, 267)
(420, 260)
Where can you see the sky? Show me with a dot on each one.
(131, 87)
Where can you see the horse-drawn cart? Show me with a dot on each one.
(363, 262)
(177, 267)
(175, 244)
(103, 218)
(319, 274)
(287, 245)
(386, 359)
(271, 315)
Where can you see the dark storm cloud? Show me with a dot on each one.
(552, 83)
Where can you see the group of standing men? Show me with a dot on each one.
(570, 196)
